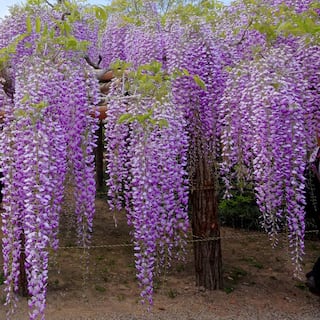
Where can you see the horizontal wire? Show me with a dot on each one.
(190, 241)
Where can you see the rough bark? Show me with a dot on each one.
(23, 282)
(99, 158)
(204, 210)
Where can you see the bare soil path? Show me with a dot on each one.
(258, 281)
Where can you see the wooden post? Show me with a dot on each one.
(23, 282)
(99, 158)
(204, 209)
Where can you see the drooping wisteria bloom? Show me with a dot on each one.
(34, 167)
(249, 90)
(268, 96)
(147, 160)
(199, 89)
(48, 132)
(298, 5)
(113, 41)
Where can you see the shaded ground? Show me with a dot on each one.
(258, 281)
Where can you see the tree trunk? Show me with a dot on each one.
(23, 282)
(204, 210)
(99, 158)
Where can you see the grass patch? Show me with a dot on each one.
(253, 262)
(111, 263)
(121, 297)
(100, 288)
(228, 290)
(301, 285)
(232, 278)
(1, 278)
(172, 293)
(180, 268)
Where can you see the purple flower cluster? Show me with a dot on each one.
(49, 132)
(146, 161)
(199, 90)
(139, 157)
(263, 121)
(159, 195)
(76, 105)
(308, 58)
(118, 158)
(269, 116)
(34, 168)
(298, 5)
(87, 29)
(233, 88)
(144, 44)
(147, 170)
(137, 44)
(113, 41)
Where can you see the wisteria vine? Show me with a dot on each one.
(48, 133)
(147, 155)
(268, 120)
(244, 92)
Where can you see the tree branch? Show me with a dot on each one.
(91, 63)
(244, 33)
(49, 4)
(7, 83)
(64, 15)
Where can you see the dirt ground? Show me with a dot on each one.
(258, 280)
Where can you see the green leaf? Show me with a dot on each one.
(186, 72)
(38, 25)
(128, 20)
(27, 45)
(66, 27)
(284, 26)
(100, 13)
(29, 25)
(25, 98)
(71, 43)
(141, 118)
(39, 106)
(67, 4)
(45, 30)
(20, 113)
(52, 33)
(163, 123)
(125, 117)
(156, 67)
(199, 82)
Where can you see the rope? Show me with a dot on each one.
(190, 241)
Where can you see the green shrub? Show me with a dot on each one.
(240, 211)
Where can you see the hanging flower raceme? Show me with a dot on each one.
(138, 42)
(113, 41)
(75, 105)
(118, 161)
(298, 5)
(146, 155)
(143, 44)
(199, 89)
(87, 29)
(238, 39)
(264, 112)
(11, 217)
(48, 129)
(34, 167)
(309, 59)
(159, 196)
